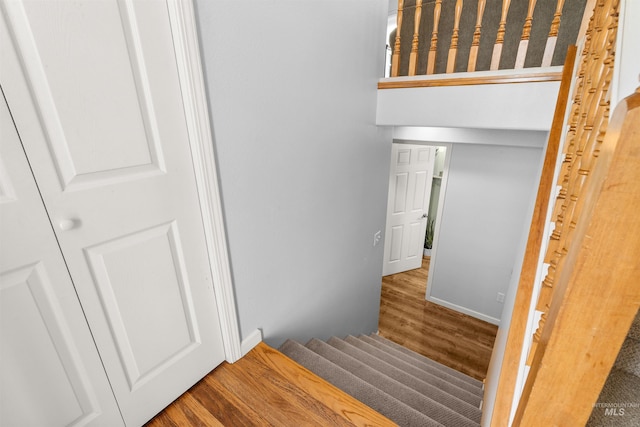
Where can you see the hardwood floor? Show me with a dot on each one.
(446, 336)
(265, 388)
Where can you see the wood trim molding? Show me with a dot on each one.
(427, 81)
(518, 325)
(185, 40)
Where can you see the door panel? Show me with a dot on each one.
(109, 147)
(409, 190)
(420, 191)
(50, 372)
(154, 260)
(396, 243)
(400, 194)
(105, 86)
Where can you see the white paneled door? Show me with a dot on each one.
(95, 94)
(410, 179)
(49, 368)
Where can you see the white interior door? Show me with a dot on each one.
(410, 179)
(98, 106)
(50, 371)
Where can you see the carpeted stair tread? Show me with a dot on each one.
(375, 398)
(426, 360)
(619, 400)
(634, 331)
(617, 405)
(462, 394)
(434, 410)
(466, 409)
(628, 359)
(381, 350)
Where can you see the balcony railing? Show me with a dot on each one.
(452, 36)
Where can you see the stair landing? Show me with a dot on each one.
(266, 388)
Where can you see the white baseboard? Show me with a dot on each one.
(251, 341)
(464, 310)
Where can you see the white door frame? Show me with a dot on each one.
(441, 200)
(190, 72)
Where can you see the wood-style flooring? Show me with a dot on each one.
(265, 388)
(446, 336)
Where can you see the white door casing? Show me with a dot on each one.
(108, 141)
(410, 179)
(50, 371)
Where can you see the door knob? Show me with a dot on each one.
(67, 224)
(424, 215)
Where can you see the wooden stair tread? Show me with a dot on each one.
(265, 388)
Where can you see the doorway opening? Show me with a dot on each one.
(417, 189)
(434, 199)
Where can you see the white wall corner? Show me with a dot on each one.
(251, 341)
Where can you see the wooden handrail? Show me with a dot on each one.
(509, 370)
(598, 296)
(518, 322)
(591, 294)
(588, 122)
(472, 80)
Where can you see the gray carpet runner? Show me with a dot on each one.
(619, 401)
(406, 387)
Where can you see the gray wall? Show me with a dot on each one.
(488, 200)
(303, 168)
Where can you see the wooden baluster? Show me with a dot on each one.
(431, 64)
(413, 58)
(475, 44)
(553, 36)
(588, 124)
(524, 39)
(395, 58)
(453, 49)
(497, 47)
